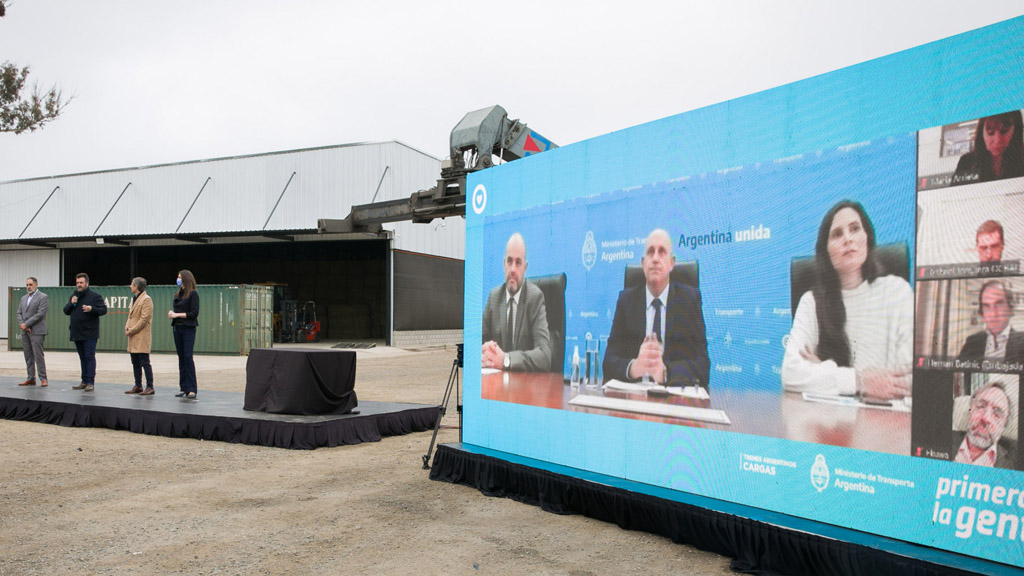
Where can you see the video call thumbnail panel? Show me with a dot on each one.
(969, 418)
(968, 340)
(971, 231)
(972, 151)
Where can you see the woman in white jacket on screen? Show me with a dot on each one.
(853, 331)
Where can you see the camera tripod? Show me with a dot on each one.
(453, 386)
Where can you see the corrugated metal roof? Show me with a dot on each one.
(240, 156)
(279, 191)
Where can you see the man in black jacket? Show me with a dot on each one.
(658, 328)
(85, 308)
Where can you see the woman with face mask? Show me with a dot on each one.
(184, 315)
(138, 329)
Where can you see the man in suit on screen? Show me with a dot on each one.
(998, 341)
(989, 242)
(658, 328)
(991, 408)
(515, 322)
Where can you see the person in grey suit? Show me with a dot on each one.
(32, 322)
(515, 323)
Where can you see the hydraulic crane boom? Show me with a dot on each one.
(480, 135)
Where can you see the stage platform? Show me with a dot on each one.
(759, 541)
(213, 416)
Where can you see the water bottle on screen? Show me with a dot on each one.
(574, 379)
(570, 347)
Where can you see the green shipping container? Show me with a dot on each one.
(232, 319)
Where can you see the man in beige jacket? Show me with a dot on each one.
(139, 330)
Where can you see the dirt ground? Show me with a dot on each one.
(96, 501)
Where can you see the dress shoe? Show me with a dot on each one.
(88, 388)
(42, 383)
(29, 382)
(147, 392)
(81, 386)
(134, 390)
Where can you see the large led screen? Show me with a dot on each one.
(805, 300)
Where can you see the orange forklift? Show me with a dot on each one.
(298, 322)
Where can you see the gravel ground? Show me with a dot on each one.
(96, 501)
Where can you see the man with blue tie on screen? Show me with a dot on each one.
(658, 328)
(515, 322)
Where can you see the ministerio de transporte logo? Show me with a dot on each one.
(819, 473)
(589, 251)
(479, 199)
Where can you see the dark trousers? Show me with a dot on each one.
(87, 358)
(140, 363)
(184, 342)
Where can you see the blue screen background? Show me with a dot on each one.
(777, 159)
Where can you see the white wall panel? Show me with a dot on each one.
(439, 238)
(16, 265)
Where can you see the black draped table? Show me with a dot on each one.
(300, 381)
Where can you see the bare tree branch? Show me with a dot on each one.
(30, 112)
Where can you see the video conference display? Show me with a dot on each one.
(834, 334)
(726, 325)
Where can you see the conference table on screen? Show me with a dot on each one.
(759, 412)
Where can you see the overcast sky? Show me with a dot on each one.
(157, 82)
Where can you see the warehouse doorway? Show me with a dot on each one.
(347, 279)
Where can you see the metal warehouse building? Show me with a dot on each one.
(247, 220)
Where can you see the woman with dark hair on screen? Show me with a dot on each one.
(998, 150)
(853, 331)
(184, 317)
